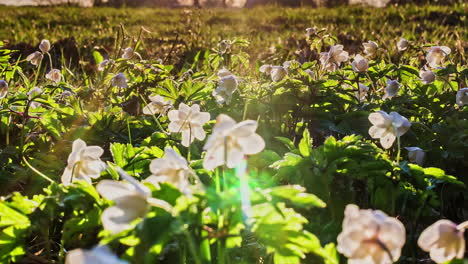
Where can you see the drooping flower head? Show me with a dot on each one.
(44, 46)
(227, 85)
(462, 97)
(370, 236)
(97, 255)
(84, 163)
(332, 59)
(189, 121)
(416, 155)
(266, 68)
(402, 44)
(360, 64)
(392, 89)
(157, 106)
(54, 75)
(427, 77)
(173, 169)
(370, 48)
(132, 200)
(387, 127)
(444, 241)
(436, 55)
(128, 53)
(119, 80)
(230, 141)
(35, 58)
(3, 88)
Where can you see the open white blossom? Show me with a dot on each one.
(97, 255)
(416, 155)
(84, 163)
(230, 141)
(444, 240)
(278, 73)
(128, 53)
(392, 89)
(402, 44)
(361, 94)
(370, 236)
(189, 121)
(387, 127)
(427, 77)
(44, 46)
(360, 64)
(35, 58)
(266, 68)
(462, 97)
(54, 75)
(157, 105)
(227, 85)
(132, 200)
(33, 93)
(370, 48)
(173, 169)
(119, 80)
(332, 59)
(103, 64)
(3, 88)
(436, 55)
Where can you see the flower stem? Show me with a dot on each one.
(36, 171)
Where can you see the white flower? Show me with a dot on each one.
(427, 77)
(119, 80)
(3, 88)
(84, 163)
(266, 68)
(392, 89)
(310, 31)
(189, 121)
(173, 169)
(44, 46)
(54, 75)
(387, 127)
(402, 44)
(226, 87)
(360, 64)
(278, 73)
(332, 59)
(436, 55)
(416, 155)
(444, 241)
(230, 141)
(370, 48)
(35, 58)
(33, 93)
(362, 93)
(157, 105)
(310, 73)
(132, 200)
(103, 64)
(462, 97)
(128, 53)
(370, 236)
(97, 255)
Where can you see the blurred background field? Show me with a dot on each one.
(275, 32)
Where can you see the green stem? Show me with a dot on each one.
(36, 171)
(37, 73)
(191, 245)
(399, 147)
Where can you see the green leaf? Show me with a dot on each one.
(305, 145)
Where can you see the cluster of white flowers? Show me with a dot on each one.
(36, 57)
